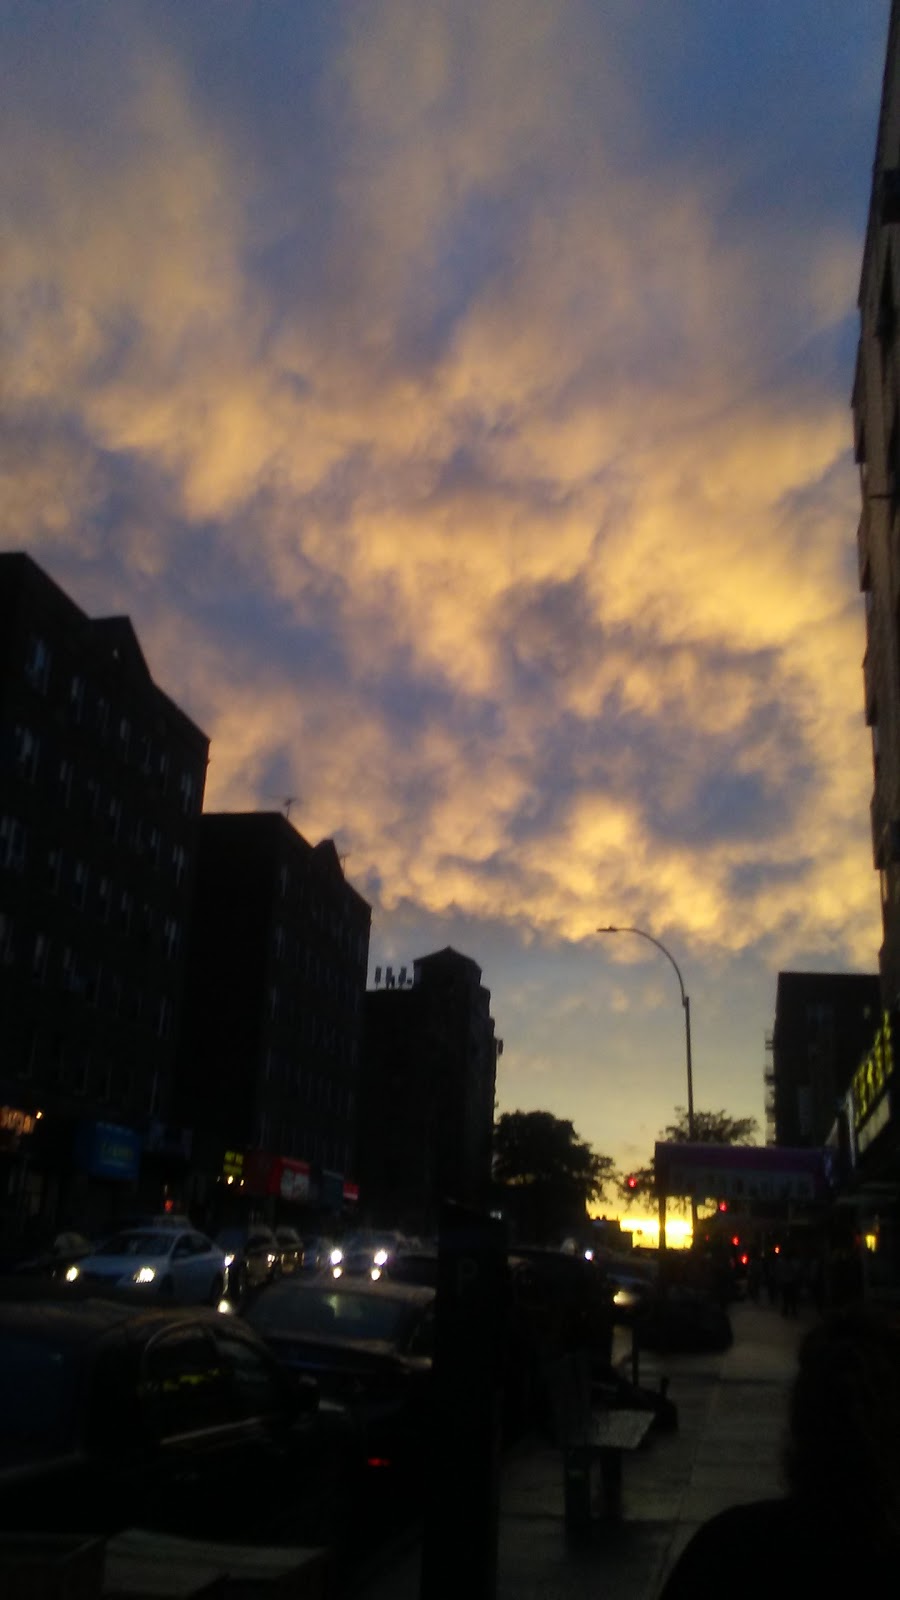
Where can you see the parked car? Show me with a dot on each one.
(366, 1255)
(168, 1264)
(68, 1249)
(179, 1421)
(369, 1346)
(251, 1257)
(290, 1249)
(317, 1253)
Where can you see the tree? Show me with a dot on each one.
(547, 1175)
(710, 1127)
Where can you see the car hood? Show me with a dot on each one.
(120, 1266)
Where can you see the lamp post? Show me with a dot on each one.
(686, 1004)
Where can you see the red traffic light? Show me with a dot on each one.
(723, 1205)
(631, 1181)
(735, 1240)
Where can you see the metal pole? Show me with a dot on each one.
(686, 1003)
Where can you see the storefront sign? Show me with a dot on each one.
(270, 1174)
(740, 1172)
(351, 1193)
(104, 1150)
(233, 1166)
(868, 1087)
(14, 1121)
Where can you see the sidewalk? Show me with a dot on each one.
(727, 1449)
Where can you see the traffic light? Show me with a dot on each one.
(723, 1205)
(631, 1181)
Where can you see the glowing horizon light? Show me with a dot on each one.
(645, 1231)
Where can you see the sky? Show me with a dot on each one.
(455, 395)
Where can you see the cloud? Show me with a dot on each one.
(463, 471)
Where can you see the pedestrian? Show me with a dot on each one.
(842, 1469)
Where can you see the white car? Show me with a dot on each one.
(175, 1265)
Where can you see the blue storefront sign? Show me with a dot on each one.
(104, 1150)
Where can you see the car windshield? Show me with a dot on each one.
(37, 1398)
(137, 1244)
(336, 1313)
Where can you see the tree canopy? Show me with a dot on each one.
(710, 1127)
(549, 1175)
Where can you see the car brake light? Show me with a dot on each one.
(378, 1461)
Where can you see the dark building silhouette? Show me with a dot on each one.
(270, 1051)
(873, 1135)
(427, 1092)
(876, 416)
(824, 1024)
(101, 784)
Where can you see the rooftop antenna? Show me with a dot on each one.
(286, 801)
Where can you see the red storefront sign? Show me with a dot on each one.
(351, 1193)
(282, 1175)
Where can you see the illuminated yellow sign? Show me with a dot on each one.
(870, 1080)
(233, 1164)
(14, 1121)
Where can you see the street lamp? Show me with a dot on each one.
(685, 1001)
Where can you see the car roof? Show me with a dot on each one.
(63, 1315)
(412, 1294)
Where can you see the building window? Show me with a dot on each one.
(69, 970)
(12, 844)
(113, 817)
(39, 957)
(171, 937)
(124, 737)
(79, 885)
(91, 798)
(187, 790)
(126, 907)
(101, 717)
(54, 871)
(153, 846)
(147, 920)
(163, 1017)
(272, 1002)
(163, 770)
(146, 755)
(103, 898)
(179, 863)
(27, 747)
(115, 995)
(76, 699)
(37, 664)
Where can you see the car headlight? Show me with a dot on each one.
(380, 1257)
(229, 1260)
(271, 1260)
(337, 1272)
(72, 1273)
(144, 1275)
(336, 1257)
(375, 1274)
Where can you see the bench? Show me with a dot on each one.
(589, 1435)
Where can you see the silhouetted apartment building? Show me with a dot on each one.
(873, 1126)
(427, 1092)
(101, 783)
(271, 1044)
(824, 1025)
(876, 414)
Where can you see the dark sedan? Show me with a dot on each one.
(179, 1421)
(368, 1345)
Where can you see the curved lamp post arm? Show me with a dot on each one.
(685, 1001)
